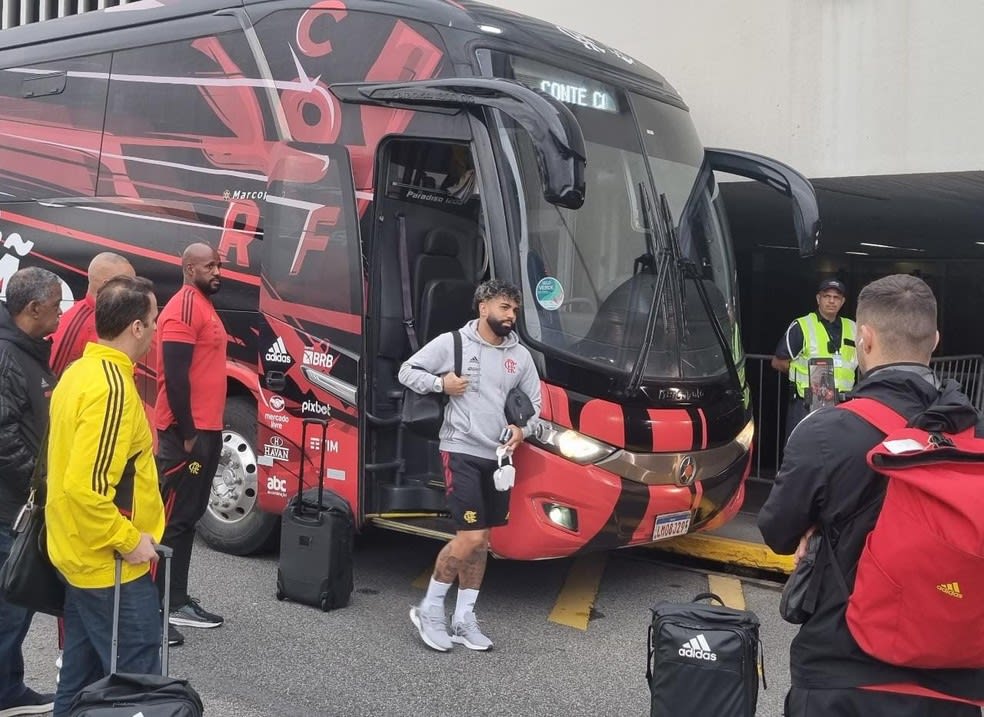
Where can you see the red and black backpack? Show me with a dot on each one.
(918, 598)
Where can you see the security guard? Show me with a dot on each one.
(819, 334)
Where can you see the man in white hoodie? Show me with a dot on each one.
(493, 363)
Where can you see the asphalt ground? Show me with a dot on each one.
(278, 658)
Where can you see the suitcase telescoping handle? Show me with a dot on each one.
(299, 503)
(166, 554)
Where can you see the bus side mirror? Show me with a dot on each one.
(557, 137)
(782, 178)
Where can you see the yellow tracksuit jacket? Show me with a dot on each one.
(102, 479)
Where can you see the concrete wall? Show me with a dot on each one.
(833, 87)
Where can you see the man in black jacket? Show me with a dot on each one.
(31, 313)
(825, 483)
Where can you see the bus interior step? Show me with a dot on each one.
(410, 496)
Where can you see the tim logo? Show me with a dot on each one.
(510, 365)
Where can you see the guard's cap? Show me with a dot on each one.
(834, 284)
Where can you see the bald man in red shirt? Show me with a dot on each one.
(191, 393)
(78, 324)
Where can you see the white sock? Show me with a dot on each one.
(436, 592)
(466, 603)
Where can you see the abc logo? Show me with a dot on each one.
(276, 485)
(314, 407)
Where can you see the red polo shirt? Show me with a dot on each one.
(190, 318)
(76, 328)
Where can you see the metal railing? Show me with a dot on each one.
(770, 401)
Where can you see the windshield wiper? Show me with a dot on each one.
(668, 258)
(688, 269)
(658, 261)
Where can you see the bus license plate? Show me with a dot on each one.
(670, 525)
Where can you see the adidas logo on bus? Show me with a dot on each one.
(697, 648)
(278, 352)
(951, 589)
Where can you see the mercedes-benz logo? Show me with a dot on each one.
(687, 470)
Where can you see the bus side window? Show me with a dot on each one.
(64, 98)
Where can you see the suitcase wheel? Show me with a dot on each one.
(325, 607)
(281, 595)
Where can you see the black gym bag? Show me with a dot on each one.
(703, 660)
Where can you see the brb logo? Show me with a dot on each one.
(318, 359)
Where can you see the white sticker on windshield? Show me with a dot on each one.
(549, 293)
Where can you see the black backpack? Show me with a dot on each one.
(703, 655)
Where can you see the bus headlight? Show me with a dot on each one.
(747, 434)
(570, 444)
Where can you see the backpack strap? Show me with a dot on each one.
(456, 338)
(882, 417)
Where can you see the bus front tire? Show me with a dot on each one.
(232, 522)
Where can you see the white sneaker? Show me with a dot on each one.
(466, 632)
(430, 623)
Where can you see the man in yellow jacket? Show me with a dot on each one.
(103, 496)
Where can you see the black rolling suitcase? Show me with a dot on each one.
(316, 542)
(703, 660)
(128, 695)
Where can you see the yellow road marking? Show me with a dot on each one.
(728, 589)
(422, 581)
(573, 606)
(728, 550)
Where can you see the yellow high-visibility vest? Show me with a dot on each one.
(815, 345)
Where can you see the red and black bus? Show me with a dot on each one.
(362, 165)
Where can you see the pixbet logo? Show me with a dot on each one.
(315, 407)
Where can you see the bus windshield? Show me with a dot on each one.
(589, 276)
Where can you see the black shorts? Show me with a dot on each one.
(473, 501)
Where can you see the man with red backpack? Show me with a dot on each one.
(922, 437)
